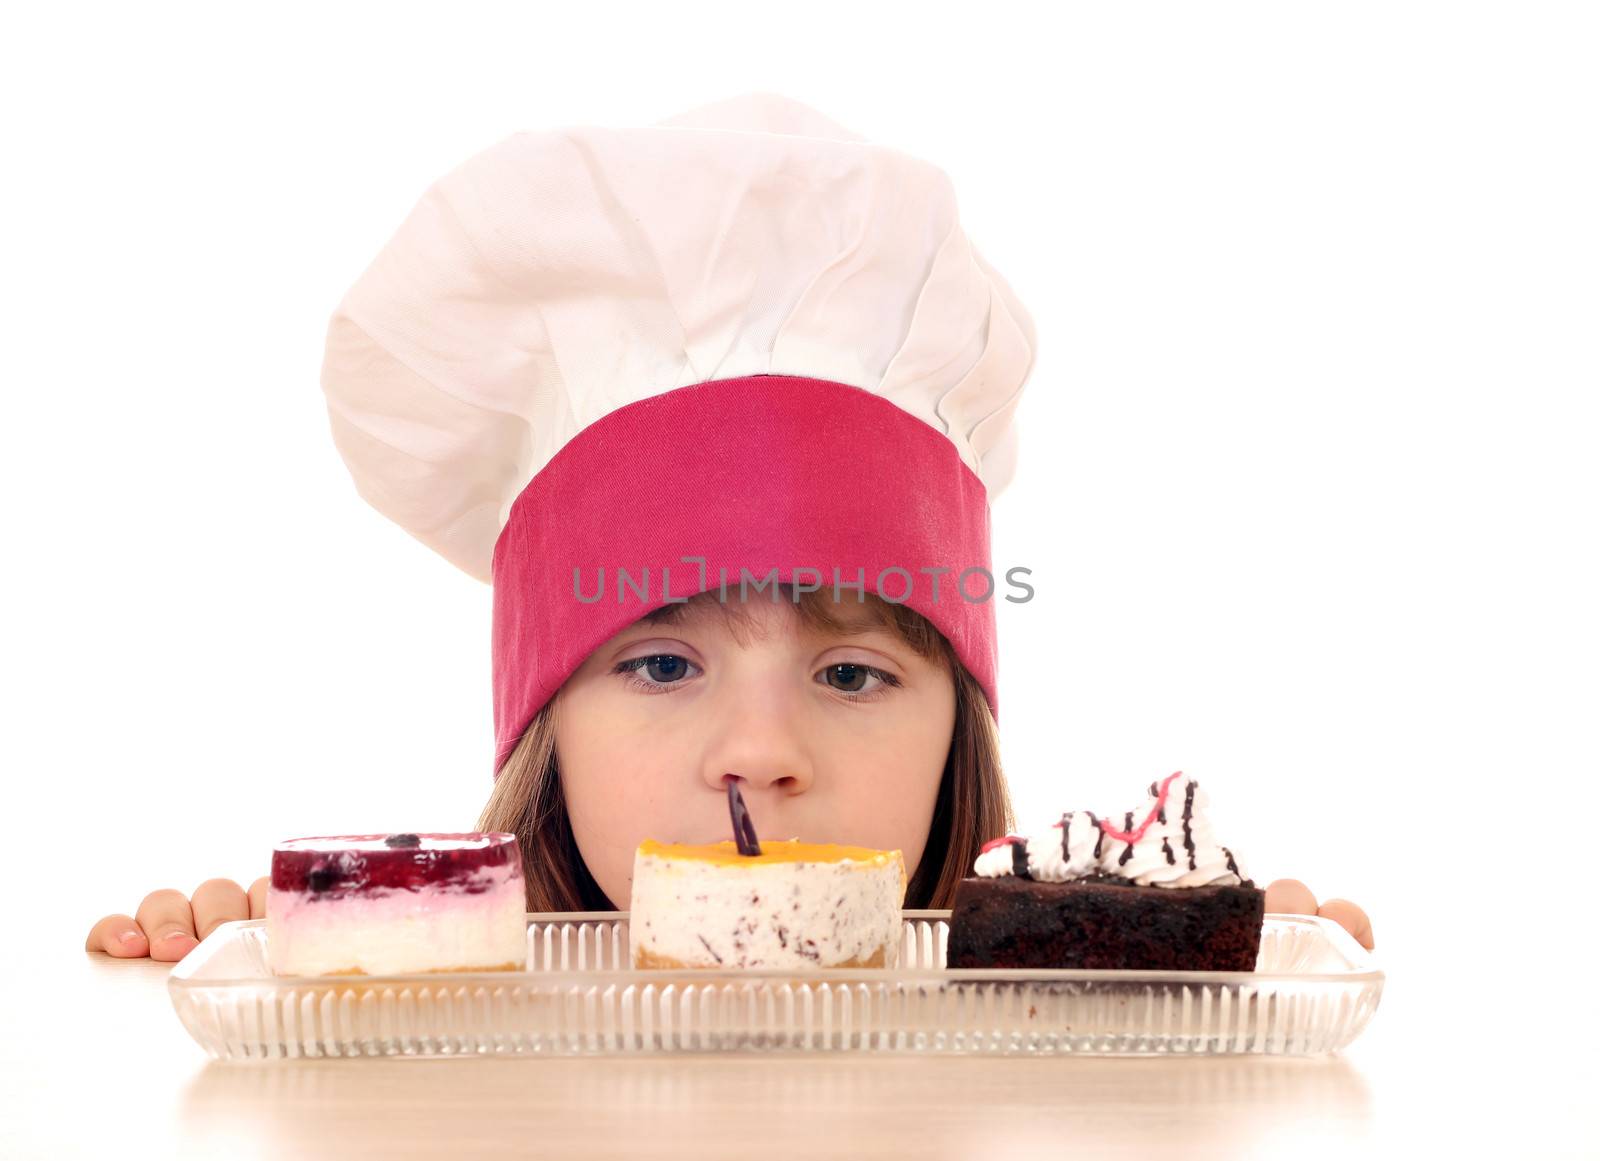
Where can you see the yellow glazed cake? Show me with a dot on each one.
(793, 906)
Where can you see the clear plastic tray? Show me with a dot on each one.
(1313, 991)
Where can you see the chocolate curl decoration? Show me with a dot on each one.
(744, 830)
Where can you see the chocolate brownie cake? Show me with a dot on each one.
(1157, 893)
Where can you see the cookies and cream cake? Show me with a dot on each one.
(765, 905)
(1150, 889)
(397, 903)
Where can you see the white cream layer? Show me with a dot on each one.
(1161, 858)
(391, 932)
(786, 916)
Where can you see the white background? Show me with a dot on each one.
(1308, 467)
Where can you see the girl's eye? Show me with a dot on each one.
(657, 671)
(851, 680)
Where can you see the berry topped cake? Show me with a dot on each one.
(397, 903)
(764, 905)
(1148, 889)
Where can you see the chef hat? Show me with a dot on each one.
(742, 339)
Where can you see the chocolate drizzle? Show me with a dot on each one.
(744, 830)
(1019, 858)
(1188, 813)
(1128, 835)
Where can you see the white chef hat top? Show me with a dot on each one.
(558, 276)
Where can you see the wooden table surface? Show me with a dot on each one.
(97, 1064)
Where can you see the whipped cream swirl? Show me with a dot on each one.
(1167, 842)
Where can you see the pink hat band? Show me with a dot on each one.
(761, 478)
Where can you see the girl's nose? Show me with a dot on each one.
(765, 755)
(757, 728)
(760, 780)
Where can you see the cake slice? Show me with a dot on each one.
(395, 904)
(772, 905)
(1155, 893)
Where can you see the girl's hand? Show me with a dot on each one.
(1292, 897)
(168, 925)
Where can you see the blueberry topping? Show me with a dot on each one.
(324, 878)
(396, 841)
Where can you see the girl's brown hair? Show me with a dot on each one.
(973, 805)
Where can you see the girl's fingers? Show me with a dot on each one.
(1290, 897)
(258, 898)
(168, 923)
(217, 901)
(1351, 918)
(118, 935)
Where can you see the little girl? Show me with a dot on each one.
(718, 405)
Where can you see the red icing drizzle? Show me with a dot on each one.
(1005, 840)
(1134, 835)
(1124, 836)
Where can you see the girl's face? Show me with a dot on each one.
(834, 736)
